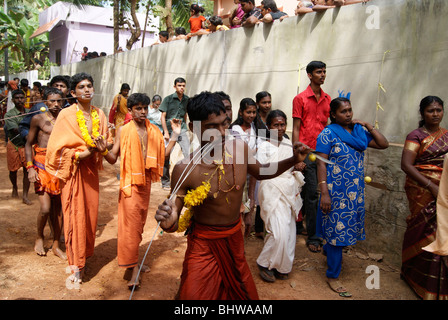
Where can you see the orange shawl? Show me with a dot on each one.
(66, 139)
(132, 166)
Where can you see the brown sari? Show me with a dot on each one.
(425, 272)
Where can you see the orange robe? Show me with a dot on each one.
(215, 267)
(136, 176)
(79, 183)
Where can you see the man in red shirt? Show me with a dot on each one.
(310, 112)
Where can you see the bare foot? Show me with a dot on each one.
(15, 193)
(145, 269)
(27, 201)
(59, 253)
(39, 247)
(134, 282)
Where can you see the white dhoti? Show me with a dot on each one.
(280, 204)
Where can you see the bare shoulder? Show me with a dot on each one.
(38, 119)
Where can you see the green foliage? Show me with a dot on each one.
(16, 27)
(44, 72)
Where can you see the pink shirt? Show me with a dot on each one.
(312, 113)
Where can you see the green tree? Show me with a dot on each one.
(18, 24)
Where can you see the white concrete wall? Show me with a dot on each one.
(352, 41)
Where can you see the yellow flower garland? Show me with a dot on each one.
(197, 196)
(95, 126)
(193, 198)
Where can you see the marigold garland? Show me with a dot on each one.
(95, 126)
(196, 196)
(193, 198)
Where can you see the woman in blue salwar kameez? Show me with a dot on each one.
(340, 218)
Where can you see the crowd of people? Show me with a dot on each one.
(61, 140)
(246, 14)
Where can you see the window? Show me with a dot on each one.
(58, 57)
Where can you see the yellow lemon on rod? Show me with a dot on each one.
(43, 109)
(312, 157)
(367, 179)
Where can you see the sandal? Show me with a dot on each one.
(281, 276)
(266, 274)
(337, 287)
(314, 247)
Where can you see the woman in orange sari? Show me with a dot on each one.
(119, 109)
(422, 161)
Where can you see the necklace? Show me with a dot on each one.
(52, 119)
(142, 139)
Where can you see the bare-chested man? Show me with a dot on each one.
(215, 266)
(45, 185)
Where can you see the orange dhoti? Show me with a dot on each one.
(80, 198)
(47, 182)
(215, 267)
(15, 157)
(132, 213)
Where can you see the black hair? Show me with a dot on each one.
(179, 80)
(42, 89)
(244, 103)
(223, 95)
(60, 78)
(51, 90)
(77, 78)
(156, 97)
(125, 86)
(335, 104)
(313, 65)
(204, 104)
(16, 92)
(215, 20)
(164, 34)
(270, 4)
(262, 94)
(180, 30)
(196, 8)
(426, 102)
(274, 114)
(37, 84)
(24, 83)
(138, 98)
(251, 1)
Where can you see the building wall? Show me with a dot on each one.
(71, 38)
(401, 44)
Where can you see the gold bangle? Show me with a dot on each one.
(321, 183)
(29, 164)
(105, 152)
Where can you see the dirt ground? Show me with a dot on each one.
(25, 275)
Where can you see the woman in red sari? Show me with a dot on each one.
(422, 161)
